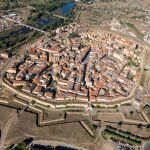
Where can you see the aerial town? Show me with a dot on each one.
(95, 66)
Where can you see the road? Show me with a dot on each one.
(99, 135)
(7, 64)
(22, 24)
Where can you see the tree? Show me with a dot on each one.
(22, 146)
(65, 115)
(73, 35)
(139, 126)
(120, 123)
(3, 45)
(148, 126)
(131, 112)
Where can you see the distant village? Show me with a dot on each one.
(76, 64)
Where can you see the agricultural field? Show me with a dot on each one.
(129, 17)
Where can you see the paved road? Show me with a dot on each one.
(22, 24)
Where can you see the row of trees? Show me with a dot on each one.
(125, 136)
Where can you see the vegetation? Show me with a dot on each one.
(44, 13)
(120, 123)
(10, 43)
(42, 10)
(113, 132)
(125, 136)
(74, 34)
(50, 5)
(133, 27)
(73, 110)
(130, 76)
(19, 146)
(91, 125)
(138, 17)
(4, 4)
(19, 87)
(147, 111)
(53, 86)
(103, 107)
(54, 23)
(126, 104)
(40, 5)
(11, 40)
(132, 63)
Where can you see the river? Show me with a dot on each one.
(53, 147)
(66, 8)
(62, 11)
(23, 30)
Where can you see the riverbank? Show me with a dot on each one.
(49, 20)
(56, 143)
(11, 40)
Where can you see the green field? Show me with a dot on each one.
(12, 42)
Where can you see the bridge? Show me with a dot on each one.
(61, 17)
(8, 124)
(28, 26)
(55, 15)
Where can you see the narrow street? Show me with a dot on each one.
(85, 61)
